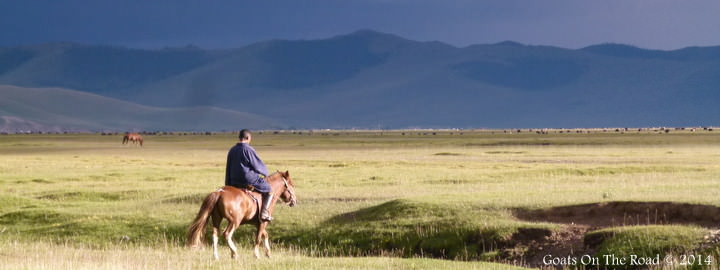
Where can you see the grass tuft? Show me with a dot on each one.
(645, 241)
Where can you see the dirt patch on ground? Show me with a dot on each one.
(529, 246)
(612, 214)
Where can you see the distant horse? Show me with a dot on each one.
(132, 137)
(238, 208)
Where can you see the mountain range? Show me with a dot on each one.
(368, 79)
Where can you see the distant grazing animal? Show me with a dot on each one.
(238, 207)
(132, 137)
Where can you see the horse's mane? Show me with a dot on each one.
(281, 175)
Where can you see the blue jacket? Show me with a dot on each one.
(244, 167)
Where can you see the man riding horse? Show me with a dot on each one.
(245, 169)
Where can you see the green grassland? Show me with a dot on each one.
(370, 199)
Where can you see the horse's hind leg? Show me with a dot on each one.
(232, 225)
(216, 227)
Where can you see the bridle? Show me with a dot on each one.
(289, 189)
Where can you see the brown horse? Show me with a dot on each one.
(238, 208)
(132, 137)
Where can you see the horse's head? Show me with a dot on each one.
(288, 196)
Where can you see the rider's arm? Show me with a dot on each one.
(227, 170)
(257, 163)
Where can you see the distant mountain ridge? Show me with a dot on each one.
(39, 109)
(368, 79)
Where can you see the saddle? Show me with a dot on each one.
(257, 197)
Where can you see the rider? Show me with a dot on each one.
(244, 168)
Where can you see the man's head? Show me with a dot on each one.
(245, 136)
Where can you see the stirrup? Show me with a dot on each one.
(265, 217)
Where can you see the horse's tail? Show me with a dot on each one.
(196, 232)
(140, 141)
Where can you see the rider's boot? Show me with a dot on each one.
(265, 213)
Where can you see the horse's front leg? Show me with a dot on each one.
(267, 245)
(258, 239)
(266, 238)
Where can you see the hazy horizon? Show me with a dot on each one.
(180, 46)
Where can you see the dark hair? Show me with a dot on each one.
(244, 134)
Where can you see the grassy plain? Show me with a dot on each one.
(366, 199)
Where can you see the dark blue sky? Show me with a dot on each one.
(657, 24)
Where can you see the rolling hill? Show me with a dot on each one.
(55, 109)
(376, 80)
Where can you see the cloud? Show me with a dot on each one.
(665, 24)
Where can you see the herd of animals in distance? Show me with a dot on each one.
(136, 138)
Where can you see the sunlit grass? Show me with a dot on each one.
(41, 255)
(89, 192)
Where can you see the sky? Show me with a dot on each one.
(652, 24)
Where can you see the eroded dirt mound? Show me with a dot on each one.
(612, 214)
(529, 246)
